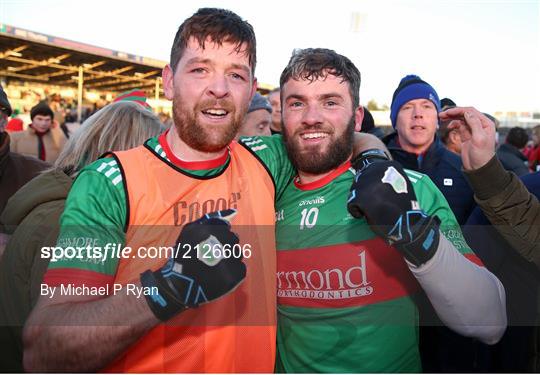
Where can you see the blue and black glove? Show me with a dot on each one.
(383, 193)
(192, 280)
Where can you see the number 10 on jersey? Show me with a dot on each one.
(309, 218)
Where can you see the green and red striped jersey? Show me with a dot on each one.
(346, 298)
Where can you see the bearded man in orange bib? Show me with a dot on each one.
(107, 302)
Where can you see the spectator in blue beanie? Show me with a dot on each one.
(414, 115)
(415, 144)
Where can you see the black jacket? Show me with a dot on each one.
(376, 131)
(444, 168)
(512, 159)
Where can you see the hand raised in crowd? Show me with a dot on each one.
(477, 134)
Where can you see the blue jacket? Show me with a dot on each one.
(444, 168)
(513, 160)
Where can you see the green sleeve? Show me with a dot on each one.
(272, 153)
(433, 202)
(94, 216)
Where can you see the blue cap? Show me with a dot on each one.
(412, 87)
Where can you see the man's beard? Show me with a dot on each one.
(205, 138)
(317, 162)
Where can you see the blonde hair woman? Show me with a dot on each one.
(33, 213)
(115, 127)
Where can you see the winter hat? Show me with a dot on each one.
(259, 102)
(42, 109)
(412, 87)
(135, 95)
(4, 103)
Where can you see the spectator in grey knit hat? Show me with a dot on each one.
(274, 97)
(258, 118)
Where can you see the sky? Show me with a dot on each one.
(482, 53)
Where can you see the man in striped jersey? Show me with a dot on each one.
(346, 298)
(203, 312)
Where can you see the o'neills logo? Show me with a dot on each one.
(326, 284)
(307, 202)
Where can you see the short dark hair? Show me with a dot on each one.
(444, 131)
(368, 122)
(517, 137)
(315, 63)
(220, 25)
(41, 109)
(494, 119)
(447, 102)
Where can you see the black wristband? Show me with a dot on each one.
(425, 243)
(163, 305)
(367, 157)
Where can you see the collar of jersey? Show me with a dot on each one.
(192, 165)
(325, 180)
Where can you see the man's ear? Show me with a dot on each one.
(253, 88)
(455, 138)
(358, 117)
(168, 82)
